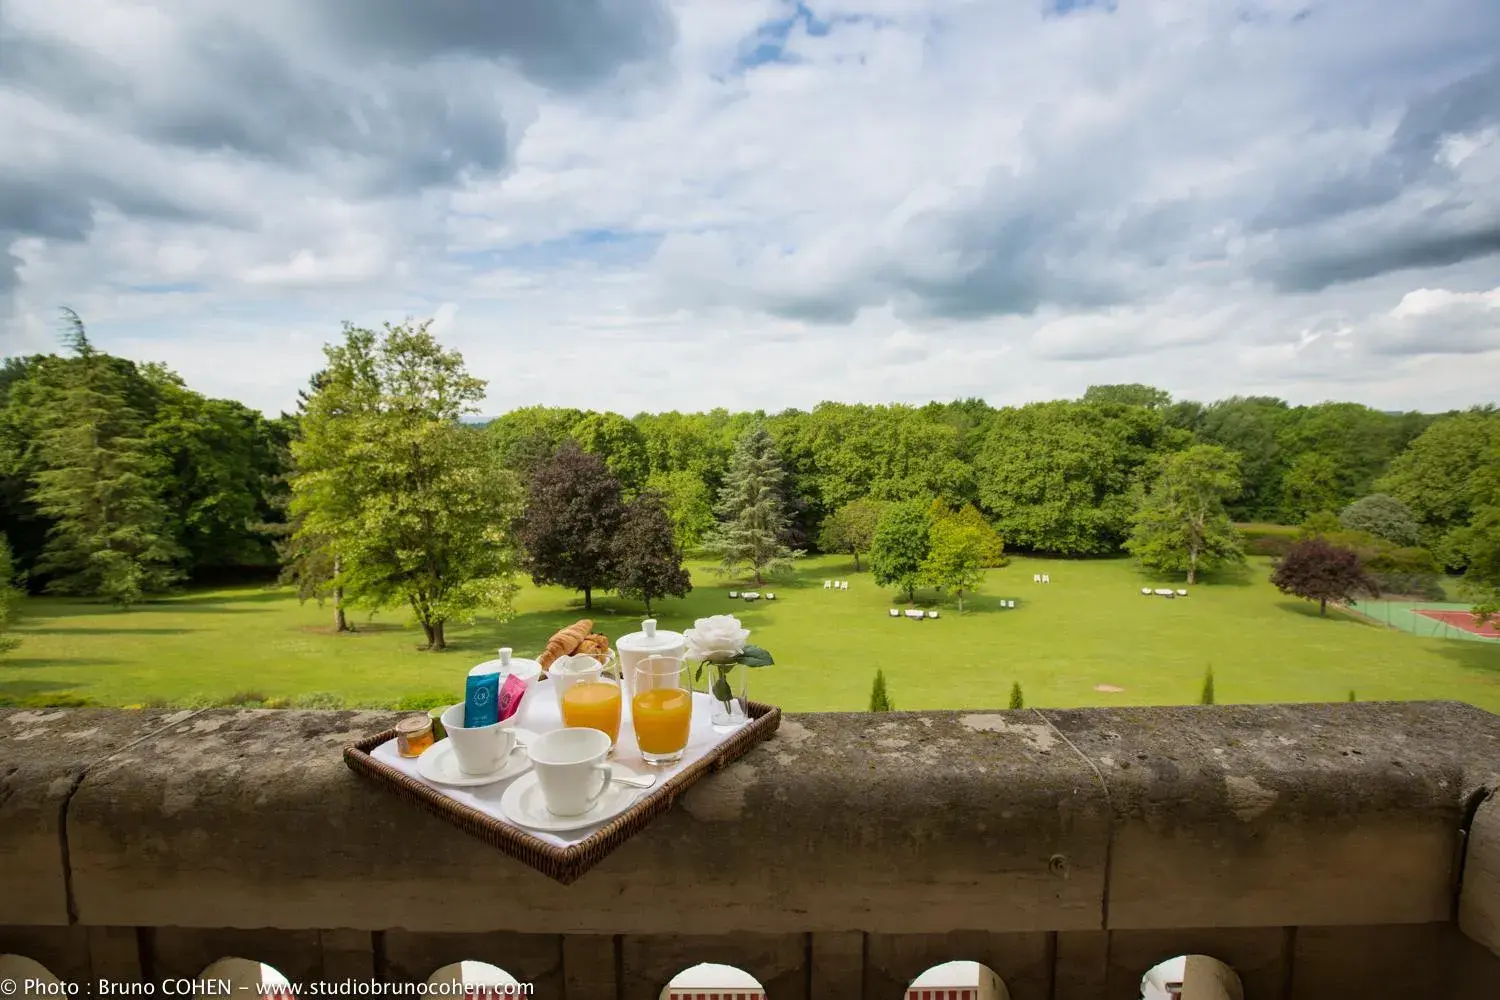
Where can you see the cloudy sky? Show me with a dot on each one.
(629, 204)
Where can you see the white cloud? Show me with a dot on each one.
(879, 199)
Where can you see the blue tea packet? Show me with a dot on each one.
(482, 701)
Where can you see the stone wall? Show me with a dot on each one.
(1317, 850)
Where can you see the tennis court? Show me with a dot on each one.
(1428, 618)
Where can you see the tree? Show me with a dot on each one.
(879, 700)
(1057, 477)
(752, 509)
(619, 442)
(1207, 696)
(413, 502)
(1181, 524)
(528, 438)
(1017, 699)
(991, 545)
(902, 542)
(573, 511)
(688, 503)
(1309, 486)
(1440, 478)
(10, 596)
(954, 559)
(1249, 427)
(97, 483)
(648, 562)
(1317, 570)
(1133, 394)
(1383, 516)
(851, 528)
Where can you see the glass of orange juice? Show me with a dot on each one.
(661, 708)
(588, 692)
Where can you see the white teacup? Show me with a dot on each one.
(570, 768)
(481, 749)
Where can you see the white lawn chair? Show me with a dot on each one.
(915, 615)
(1012, 603)
(1036, 578)
(827, 584)
(1146, 591)
(1046, 578)
(734, 593)
(845, 585)
(1163, 592)
(895, 613)
(1182, 593)
(932, 614)
(770, 597)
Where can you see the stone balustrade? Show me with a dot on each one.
(1318, 850)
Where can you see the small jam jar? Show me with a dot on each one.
(413, 735)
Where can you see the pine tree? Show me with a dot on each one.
(880, 701)
(752, 510)
(647, 560)
(1207, 697)
(110, 534)
(1017, 701)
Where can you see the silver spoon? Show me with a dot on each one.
(635, 780)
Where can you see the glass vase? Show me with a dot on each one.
(727, 686)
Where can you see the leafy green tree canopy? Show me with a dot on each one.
(955, 558)
(414, 504)
(901, 545)
(1181, 524)
(851, 528)
(1383, 516)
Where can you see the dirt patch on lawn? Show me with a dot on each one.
(1108, 689)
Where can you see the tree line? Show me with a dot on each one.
(384, 488)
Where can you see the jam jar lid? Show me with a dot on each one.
(414, 725)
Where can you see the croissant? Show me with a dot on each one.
(594, 643)
(565, 642)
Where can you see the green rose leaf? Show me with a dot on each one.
(699, 675)
(754, 656)
(721, 689)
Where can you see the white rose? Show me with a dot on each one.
(717, 639)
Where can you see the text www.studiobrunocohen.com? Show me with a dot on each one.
(10, 987)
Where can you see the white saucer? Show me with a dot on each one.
(439, 763)
(522, 804)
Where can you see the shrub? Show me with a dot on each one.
(1267, 539)
(880, 701)
(323, 700)
(1383, 516)
(60, 699)
(424, 702)
(1207, 697)
(1017, 700)
(243, 699)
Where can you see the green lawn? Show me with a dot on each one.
(1089, 627)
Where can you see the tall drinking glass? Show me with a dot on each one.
(661, 707)
(588, 692)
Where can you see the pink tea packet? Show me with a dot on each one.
(510, 696)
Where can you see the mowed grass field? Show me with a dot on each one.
(1089, 627)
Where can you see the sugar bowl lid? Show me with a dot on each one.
(651, 640)
(527, 670)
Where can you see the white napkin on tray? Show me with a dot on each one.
(540, 713)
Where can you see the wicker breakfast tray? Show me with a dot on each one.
(563, 863)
